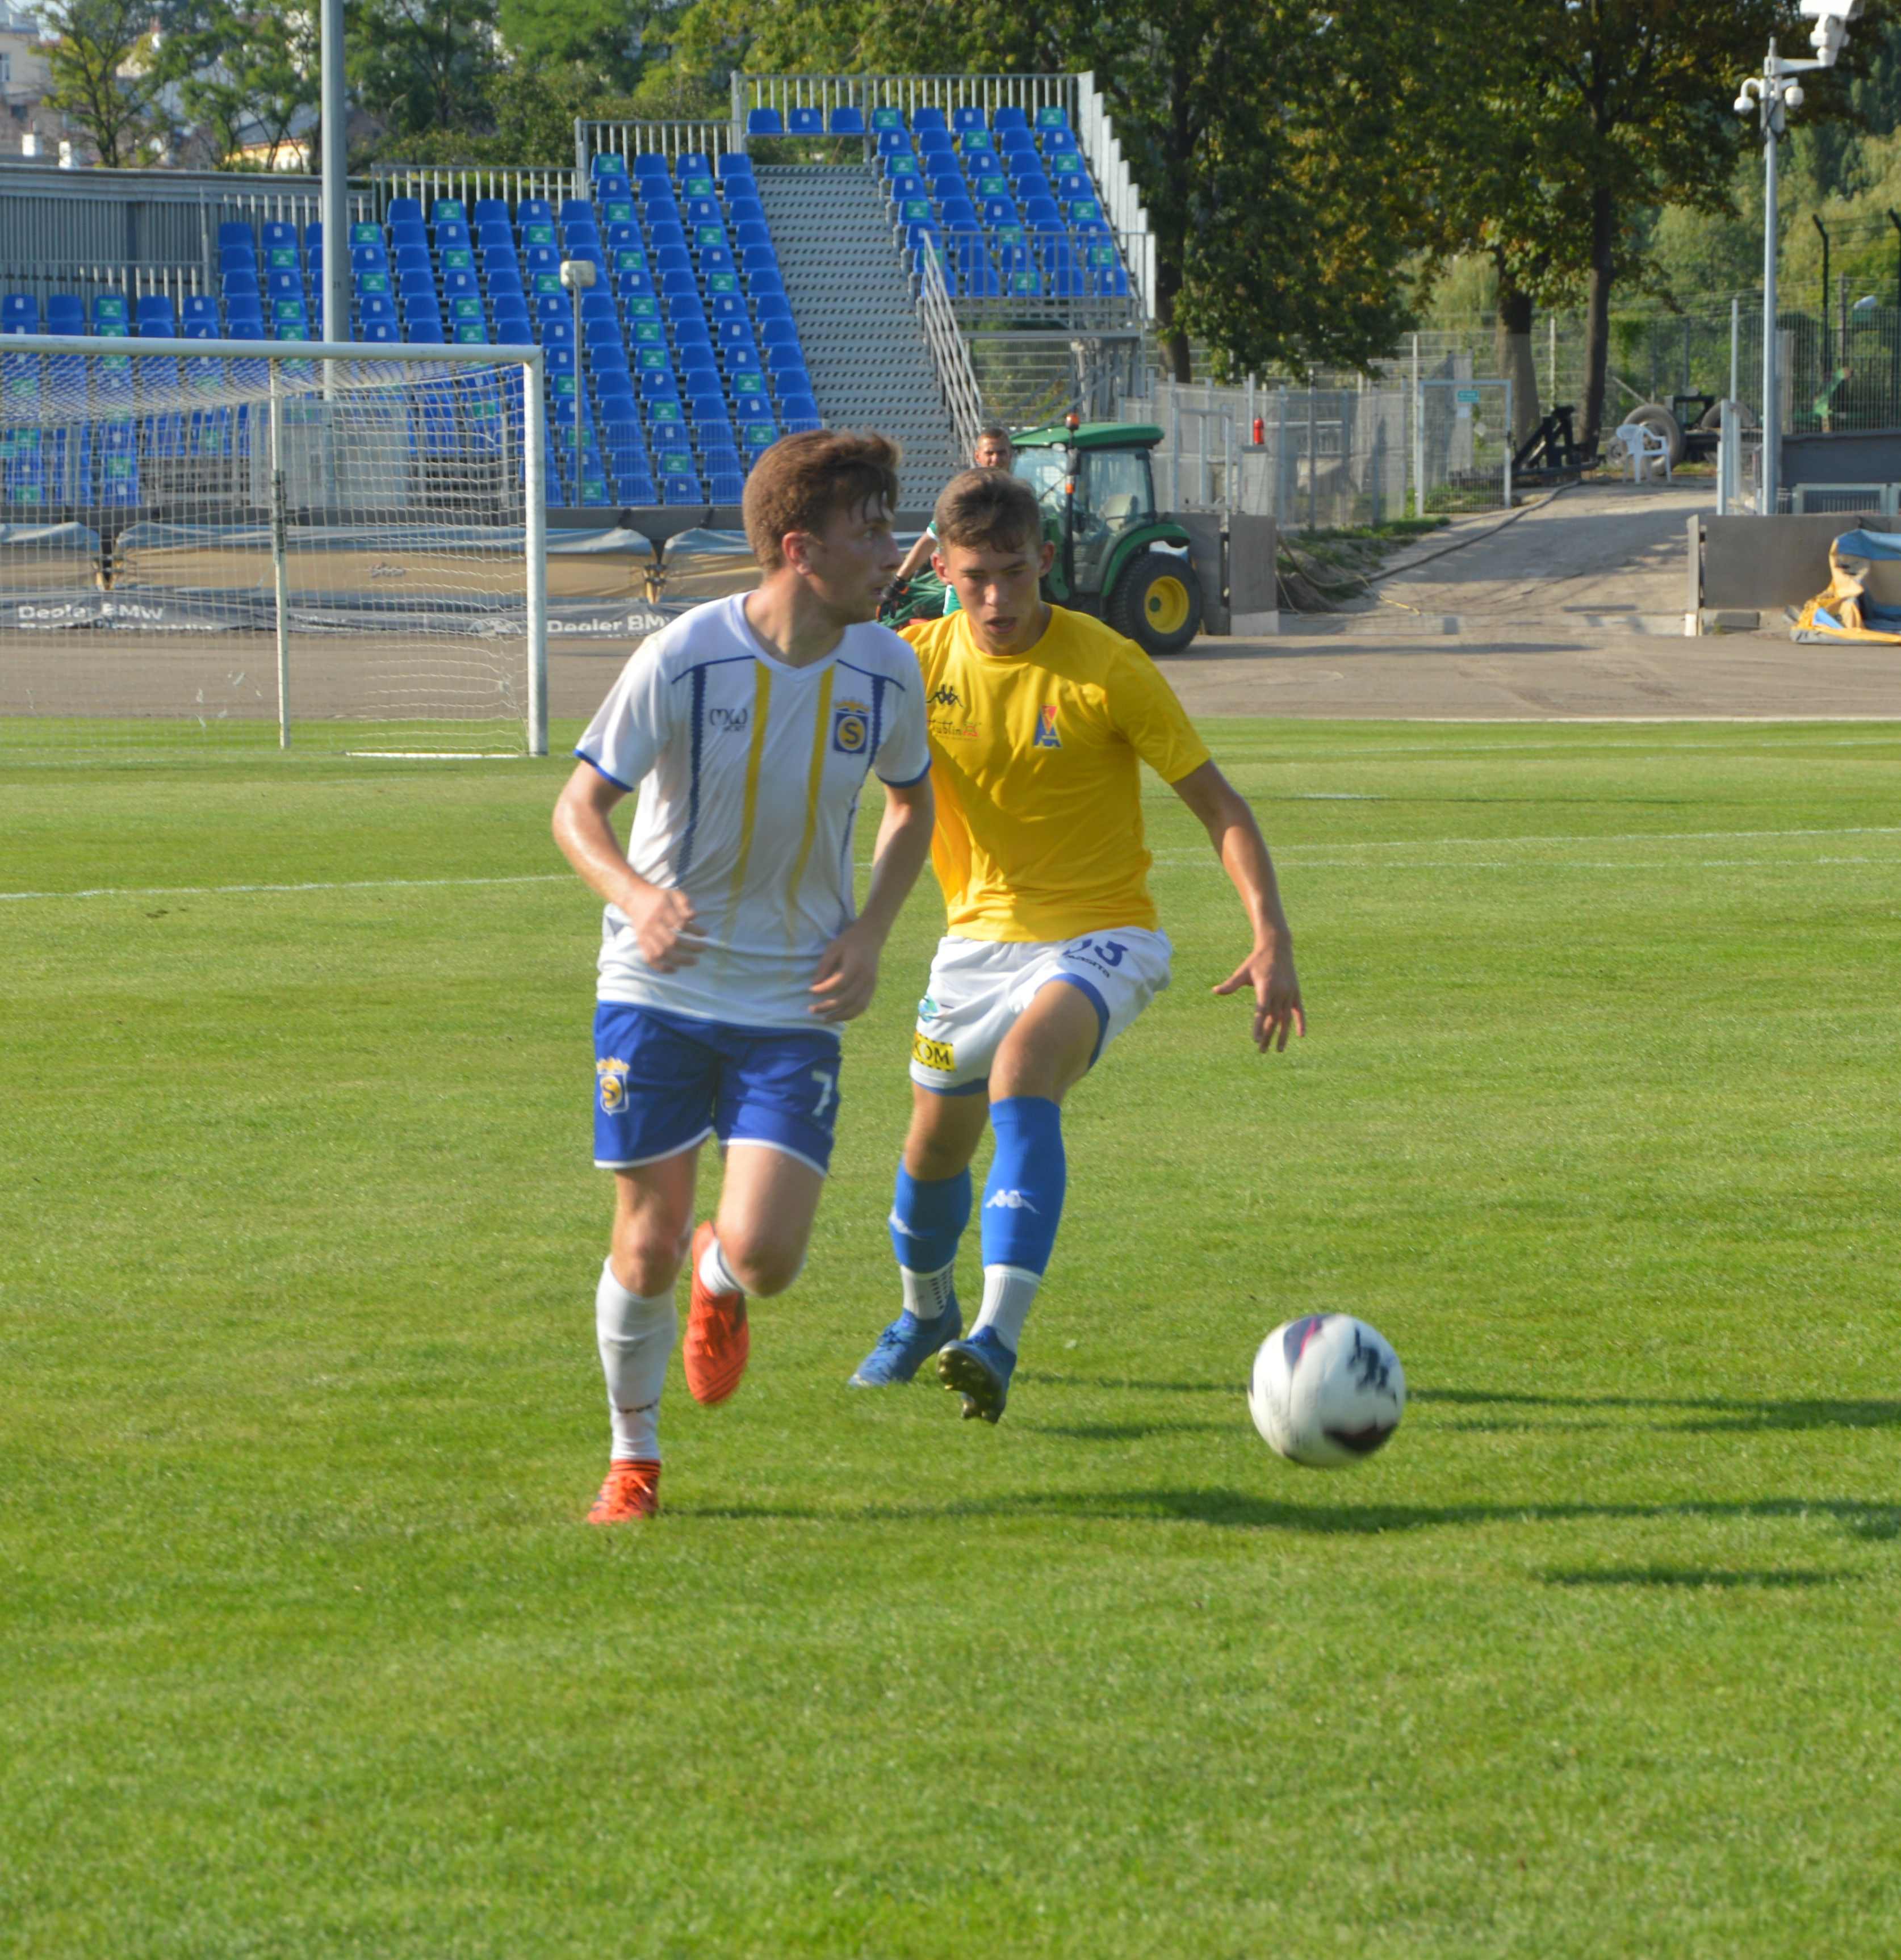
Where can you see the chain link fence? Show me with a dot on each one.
(1336, 457)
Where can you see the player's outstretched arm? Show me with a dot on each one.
(1269, 968)
(662, 919)
(848, 972)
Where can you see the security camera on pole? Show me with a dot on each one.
(1772, 94)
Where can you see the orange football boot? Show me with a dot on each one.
(718, 1342)
(632, 1492)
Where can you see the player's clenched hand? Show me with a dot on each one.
(847, 977)
(1278, 1011)
(665, 930)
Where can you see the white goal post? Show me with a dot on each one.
(216, 546)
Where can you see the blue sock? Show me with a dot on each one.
(928, 1219)
(1023, 1198)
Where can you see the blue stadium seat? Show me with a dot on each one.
(401, 210)
(445, 210)
(764, 279)
(1052, 116)
(238, 285)
(1009, 117)
(764, 122)
(807, 121)
(969, 117)
(893, 143)
(236, 231)
(932, 119)
(798, 406)
(845, 120)
(732, 164)
(935, 141)
(66, 314)
(692, 164)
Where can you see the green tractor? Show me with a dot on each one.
(1115, 558)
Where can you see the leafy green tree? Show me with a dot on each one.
(1584, 120)
(245, 74)
(423, 66)
(614, 42)
(108, 76)
(1260, 132)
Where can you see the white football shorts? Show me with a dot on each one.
(978, 989)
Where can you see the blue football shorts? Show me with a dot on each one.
(665, 1082)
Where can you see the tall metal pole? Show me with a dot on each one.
(1771, 416)
(335, 210)
(1735, 339)
(1419, 436)
(280, 546)
(534, 431)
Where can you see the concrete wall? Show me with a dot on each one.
(1761, 565)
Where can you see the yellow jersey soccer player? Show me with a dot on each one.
(1040, 719)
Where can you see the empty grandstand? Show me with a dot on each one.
(832, 254)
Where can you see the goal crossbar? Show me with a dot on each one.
(330, 357)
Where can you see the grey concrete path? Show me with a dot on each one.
(1572, 609)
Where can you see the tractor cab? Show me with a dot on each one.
(1114, 557)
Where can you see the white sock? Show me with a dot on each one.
(926, 1295)
(635, 1337)
(715, 1273)
(1007, 1292)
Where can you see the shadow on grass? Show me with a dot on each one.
(1125, 1432)
(1718, 1413)
(1245, 1510)
(1237, 1387)
(1694, 1578)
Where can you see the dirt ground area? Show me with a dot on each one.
(1571, 608)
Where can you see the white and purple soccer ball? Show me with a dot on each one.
(1326, 1391)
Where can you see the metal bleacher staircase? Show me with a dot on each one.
(852, 302)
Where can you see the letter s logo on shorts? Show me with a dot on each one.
(612, 1077)
(851, 727)
(940, 1056)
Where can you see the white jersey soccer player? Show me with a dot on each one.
(730, 952)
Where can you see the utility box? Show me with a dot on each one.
(1205, 541)
(1253, 583)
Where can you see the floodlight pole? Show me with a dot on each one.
(335, 165)
(1772, 94)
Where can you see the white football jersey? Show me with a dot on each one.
(750, 772)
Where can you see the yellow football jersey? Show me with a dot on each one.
(1035, 761)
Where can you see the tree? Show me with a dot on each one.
(1258, 131)
(106, 74)
(614, 42)
(246, 74)
(421, 66)
(1561, 127)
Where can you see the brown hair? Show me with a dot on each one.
(802, 480)
(990, 507)
(996, 432)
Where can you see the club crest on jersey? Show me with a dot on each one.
(1046, 737)
(611, 1074)
(851, 727)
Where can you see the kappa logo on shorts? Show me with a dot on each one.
(940, 1055)
(611, 1075)
(851, 727)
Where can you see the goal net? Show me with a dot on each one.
(225, 547)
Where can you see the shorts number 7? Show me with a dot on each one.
(828, 1087)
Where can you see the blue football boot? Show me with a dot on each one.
(905, 1346)
(979, 1369)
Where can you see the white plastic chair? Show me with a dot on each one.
(1645, 445)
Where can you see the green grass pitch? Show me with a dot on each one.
(303, 1647)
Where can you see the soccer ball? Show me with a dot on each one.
(1326, 1391)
